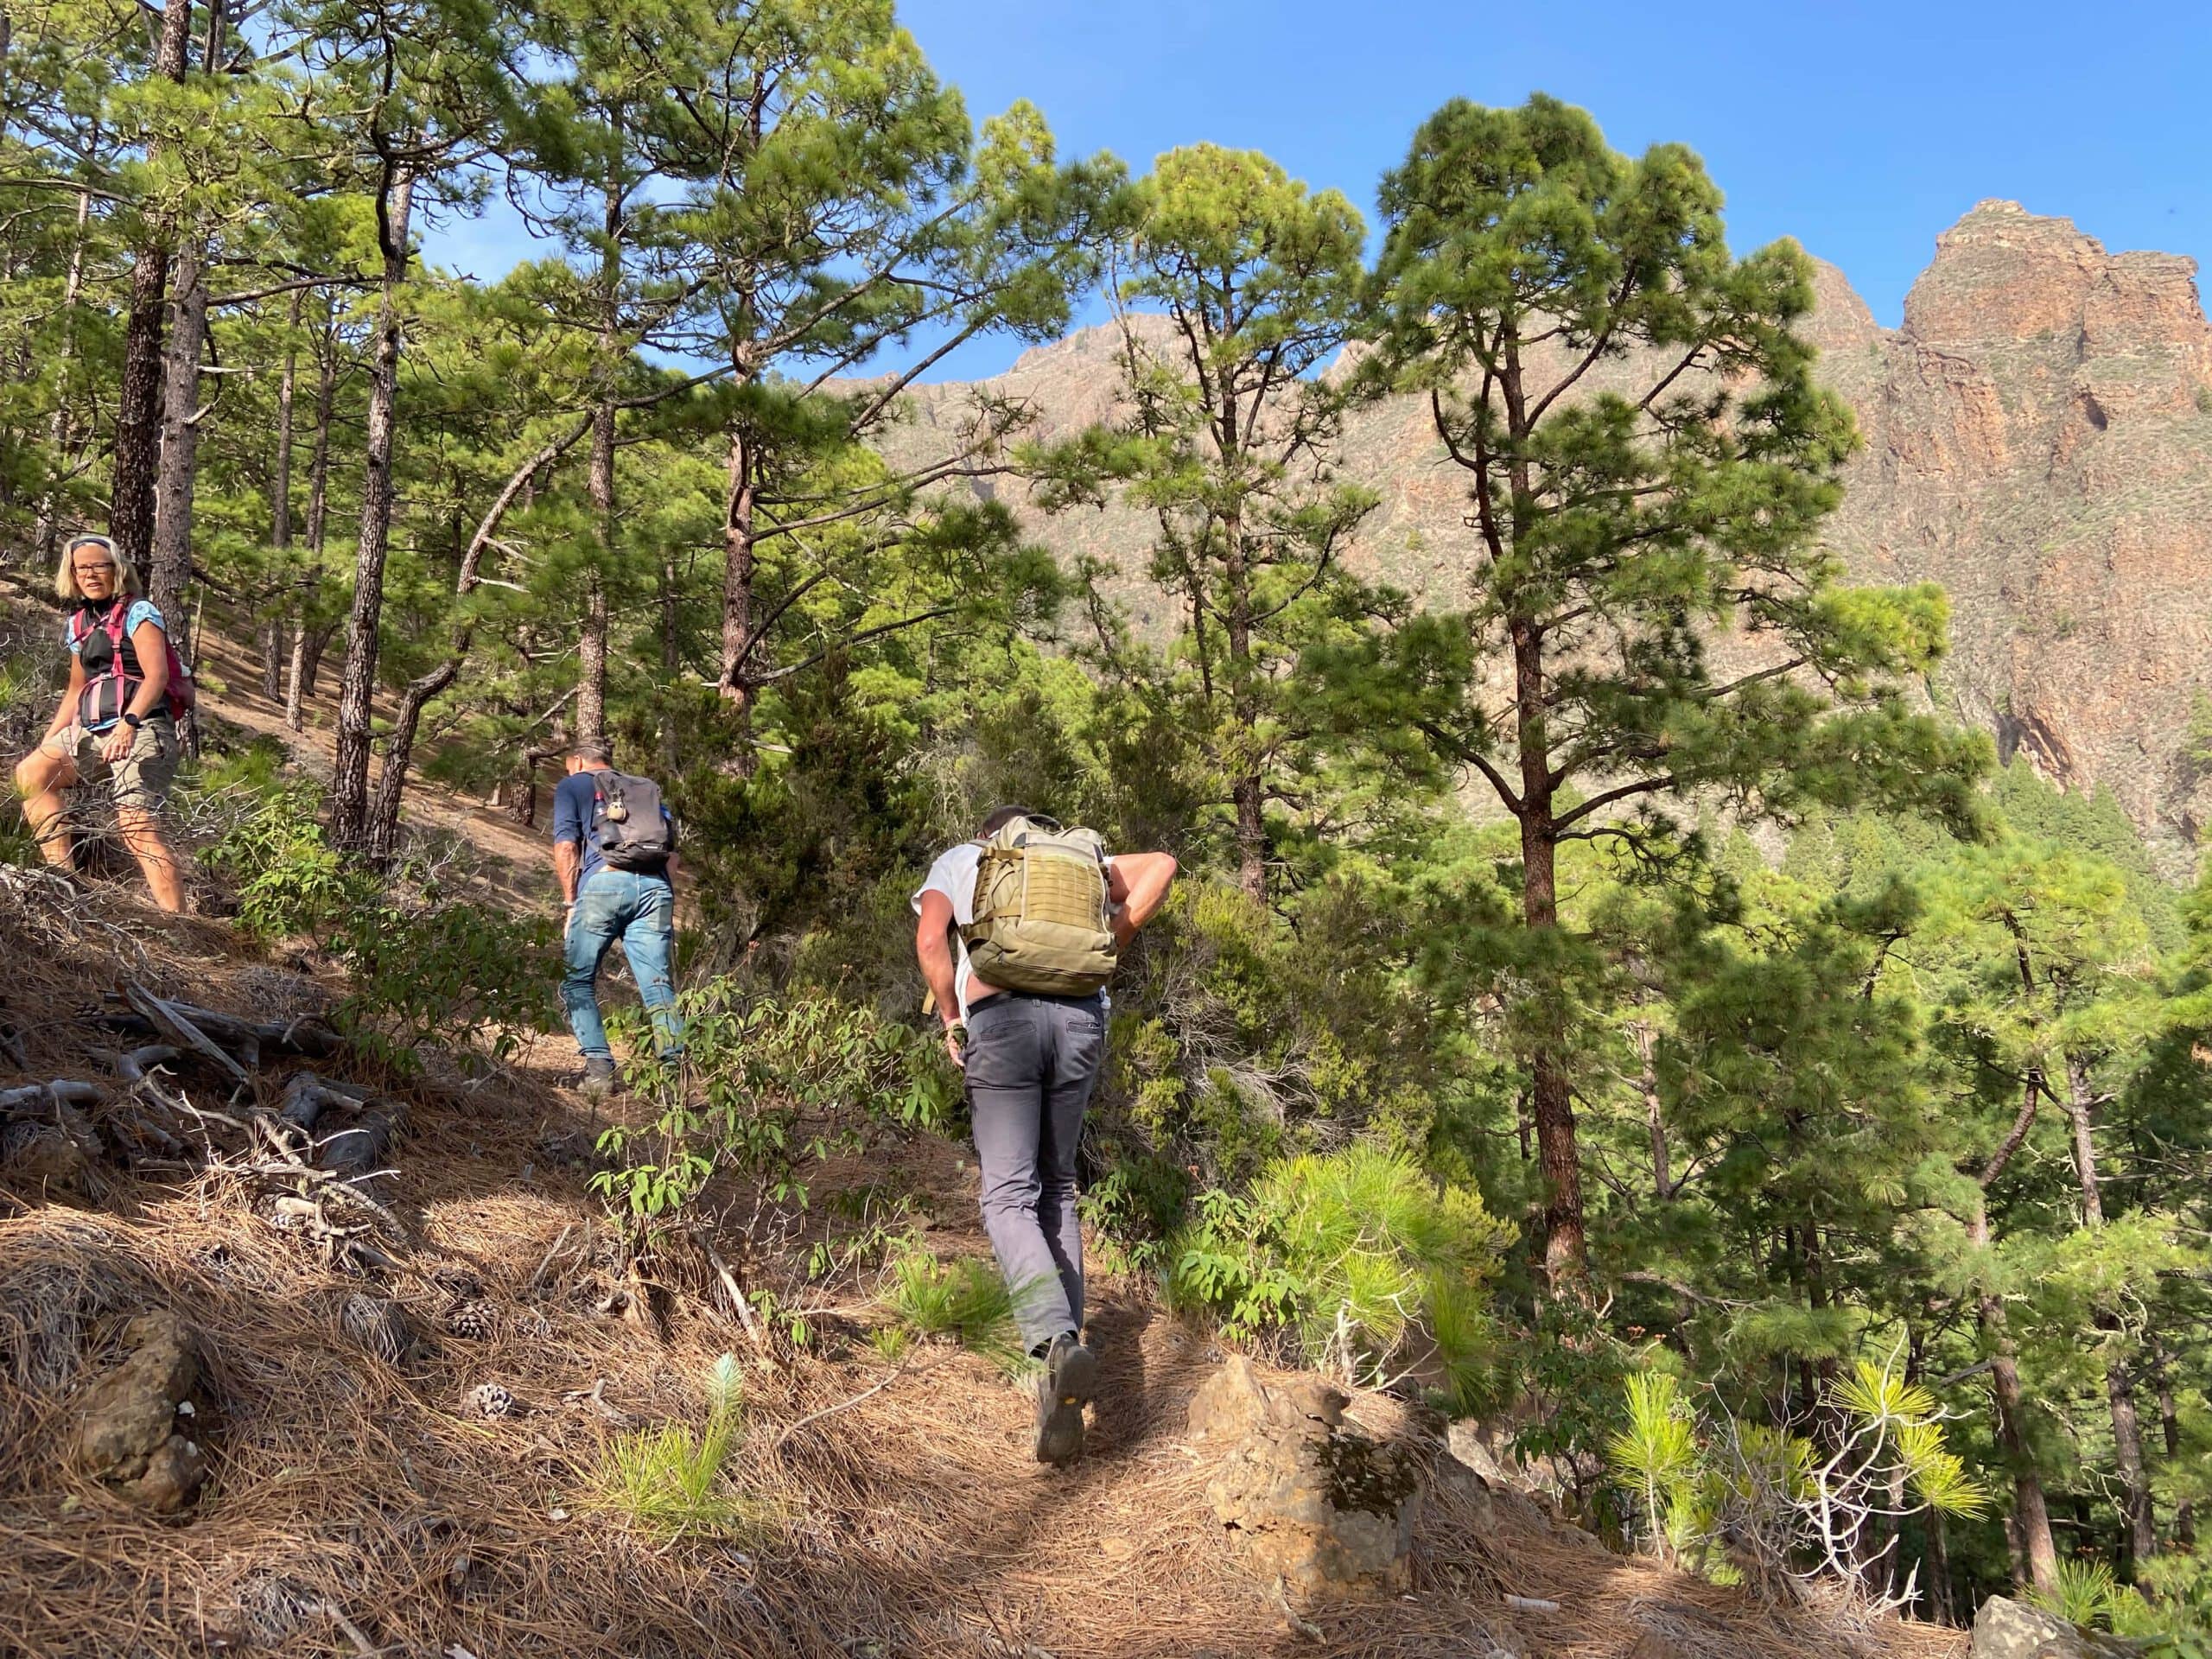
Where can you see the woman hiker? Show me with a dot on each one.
(115, 721)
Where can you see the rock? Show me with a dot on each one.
(2011, 1630)
(1317, 1505)
(130, 1435)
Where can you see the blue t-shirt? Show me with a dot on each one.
(575, 814)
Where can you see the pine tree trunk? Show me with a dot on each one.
(1566, 1262)
(739, 552)
(591, 648)
(350, 828)
(2120, 1382)
(399, 755)
(1245, 785)
(170, 569)
(273, 644)
(138, 391)
(2170, 1424)
(306, 641)
(672, 658)
(61, 427)
(2034, 1552)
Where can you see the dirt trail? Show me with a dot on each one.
(358, 1506)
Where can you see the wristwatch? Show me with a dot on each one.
(132, 720)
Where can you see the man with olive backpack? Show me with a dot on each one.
(614, 851)
(1019, 929)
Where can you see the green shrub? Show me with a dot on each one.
(1737, 1499)
(777, 1087)
(1378, 1269)
(425, 965)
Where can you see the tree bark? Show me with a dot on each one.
(591, 646)
(1566, 1251)
(61, 429)
(170, 567)
(2030, 1512)
(138, 392)
(307, 640)
(398, 755)
(2170, 1424)
(349, 793)
(273, 652)
(739, 552)
(2120, 1381)
(671, 657)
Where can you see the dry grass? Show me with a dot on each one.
(353, 1506)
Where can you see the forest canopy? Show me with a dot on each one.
(1630, 970)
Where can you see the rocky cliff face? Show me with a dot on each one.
(2038, 441)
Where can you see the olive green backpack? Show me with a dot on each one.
(1042, 897)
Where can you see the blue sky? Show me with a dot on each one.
(1863, 131)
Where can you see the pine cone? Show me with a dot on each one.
(489, 1400)
(379, 1326)
(477, 1321)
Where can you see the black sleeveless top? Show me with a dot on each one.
(95, 651)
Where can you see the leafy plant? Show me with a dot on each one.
(1745, 1500)
(774, 1088)
(2087, 1592)
(425, 964)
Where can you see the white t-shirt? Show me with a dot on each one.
(954, 875)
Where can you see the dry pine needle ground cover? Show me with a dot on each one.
(356, 1505)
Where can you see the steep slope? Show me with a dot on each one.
(429, 1479)
(2038, 441)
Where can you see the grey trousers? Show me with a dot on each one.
(1032, 1062)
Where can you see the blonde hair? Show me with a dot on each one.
(65, 579)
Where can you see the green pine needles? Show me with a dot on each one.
(1743, 1503)
(674, 1481)
(1371, 1267)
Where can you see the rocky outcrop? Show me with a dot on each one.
(2038, 441)
(135, 1422)
(1307, 1500)
(2011, 1630)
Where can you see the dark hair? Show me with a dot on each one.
(999, 817)
(600, 749)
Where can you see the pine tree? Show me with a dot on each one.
(1648, 459)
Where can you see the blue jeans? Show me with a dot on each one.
(640, 910)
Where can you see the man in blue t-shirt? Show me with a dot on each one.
(636, 907)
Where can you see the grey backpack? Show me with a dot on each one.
(632, 830)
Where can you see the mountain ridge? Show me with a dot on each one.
(2037, 439)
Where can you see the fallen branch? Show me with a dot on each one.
(847, 1405)
(744, 1308)
(177, 1024)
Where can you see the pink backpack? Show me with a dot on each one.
(182, 695)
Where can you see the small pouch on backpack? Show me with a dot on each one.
(102, 702)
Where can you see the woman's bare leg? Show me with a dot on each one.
(41, 776)
(142, 834)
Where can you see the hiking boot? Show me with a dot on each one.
(599, 1078)
(1071, 1379)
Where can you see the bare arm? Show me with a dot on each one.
(568, 859)
(933, 949)
(152, 646)
(1139, 884)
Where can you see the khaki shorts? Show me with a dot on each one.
(142, 778)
